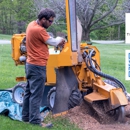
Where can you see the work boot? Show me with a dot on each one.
(44, 115)
(49, 125)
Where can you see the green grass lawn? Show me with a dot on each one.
(112, 63)
(59, 124)
(8, 70)
(5, 37)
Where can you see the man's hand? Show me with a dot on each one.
(62, 43)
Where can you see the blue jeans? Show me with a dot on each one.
(36, 76)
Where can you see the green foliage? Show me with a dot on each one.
(122, 34)
(24, 11)
(57, 28)
(110, 33)
(15, 15)
(93, 35)
(108, 15)
(64, 31)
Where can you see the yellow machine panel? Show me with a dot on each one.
(16, 41)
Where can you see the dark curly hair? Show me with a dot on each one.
(46, 13)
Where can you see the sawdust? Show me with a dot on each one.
(86, 119)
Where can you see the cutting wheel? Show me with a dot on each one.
(104, 116)
(121, 114)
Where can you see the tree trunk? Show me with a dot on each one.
(86, 35)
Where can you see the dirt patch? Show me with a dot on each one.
(87, 119)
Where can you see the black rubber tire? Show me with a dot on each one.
(21, 86)
(75, 99)
(49, 96)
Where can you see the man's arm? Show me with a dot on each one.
(58, 41)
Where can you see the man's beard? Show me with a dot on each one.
(43, 25)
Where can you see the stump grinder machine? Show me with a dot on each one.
(73, 74)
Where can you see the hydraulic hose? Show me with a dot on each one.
(91, 67)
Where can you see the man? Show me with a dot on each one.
(37, 41)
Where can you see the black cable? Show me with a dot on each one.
(94, 70)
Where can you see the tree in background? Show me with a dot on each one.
(5, 17)
(108, 15)
(24, 13)
(94, 14)
(15, 15)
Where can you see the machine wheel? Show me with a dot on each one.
(51, 98)
(18, 93)
(75, 99)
